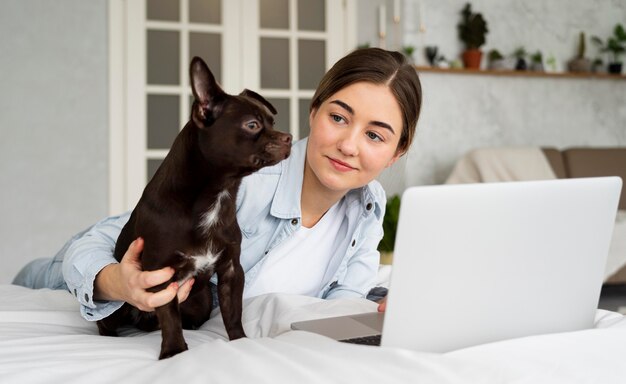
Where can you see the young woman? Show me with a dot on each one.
(311, 224)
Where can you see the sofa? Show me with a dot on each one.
(534, 163)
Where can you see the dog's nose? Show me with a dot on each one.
(286, 138)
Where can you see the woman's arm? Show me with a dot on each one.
(125, 281)
(361, 269)
(101, 284)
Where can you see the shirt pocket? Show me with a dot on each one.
(260, 226)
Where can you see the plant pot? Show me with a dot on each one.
(579, 65)
(386, 257)
(598, 68)
(471, 58)
(537, 67)
(615, 68)
(497, 65)
(521, 65)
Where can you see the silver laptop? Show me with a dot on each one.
(478, 263)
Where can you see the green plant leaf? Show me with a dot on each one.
(619, 32)
(598, 41)
(390, 224)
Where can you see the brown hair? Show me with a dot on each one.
(377, 66)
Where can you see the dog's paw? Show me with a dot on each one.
(104, 330)
(169, 352)
(234, 335)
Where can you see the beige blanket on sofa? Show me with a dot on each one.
(485, 165)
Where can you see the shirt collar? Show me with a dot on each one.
(286, 203)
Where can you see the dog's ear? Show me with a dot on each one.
(208, 94)
(261, 99)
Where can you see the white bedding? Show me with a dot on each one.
(43, 339)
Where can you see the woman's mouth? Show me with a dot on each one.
(340, 165)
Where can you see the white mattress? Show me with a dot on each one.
(43, 339)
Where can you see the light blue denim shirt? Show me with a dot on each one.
(268, 212)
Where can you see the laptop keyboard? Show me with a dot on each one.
(367, 340)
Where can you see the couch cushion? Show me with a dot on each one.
(555, 159)
(595, 162)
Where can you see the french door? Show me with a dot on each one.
(279, 48)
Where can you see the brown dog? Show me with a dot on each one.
(186, 214)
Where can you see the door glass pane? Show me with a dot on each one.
(312, 15)
(274, 14)
(205, 11)
(303, 117)
(168, 10)
(163, 57)
(153, 165)
(274, 63)
(282, 118)
(209, 47)
(311, 63)
(163, 120)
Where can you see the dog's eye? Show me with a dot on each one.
(252, 125)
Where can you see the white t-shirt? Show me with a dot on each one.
(298, 264)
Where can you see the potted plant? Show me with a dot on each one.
(390, 227)
(580, 63)
(408, 51)
(431, 54)
(536, 62)
(615, 46)
(472, 32)
(551, 63)
(598, 66)
(520, 59)
(496, 60)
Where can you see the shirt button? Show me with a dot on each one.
(294, 221)
(86, 297)
(368, 206)
(353, 242)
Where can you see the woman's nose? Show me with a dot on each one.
(348, 144)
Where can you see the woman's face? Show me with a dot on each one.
(354, 137)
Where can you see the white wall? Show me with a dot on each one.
(53, 125)
(53, 105)
(461, 112)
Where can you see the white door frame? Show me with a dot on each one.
(117, 107)
(123, 96)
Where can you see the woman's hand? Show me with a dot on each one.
(382, 304)
(127, 282)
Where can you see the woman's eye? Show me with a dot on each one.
(374, 136)
(336, 118)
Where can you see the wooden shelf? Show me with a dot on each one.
(510, 73)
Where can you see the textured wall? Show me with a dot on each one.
(552, 26)
(53, 105)
(53, 125)
(462, 112)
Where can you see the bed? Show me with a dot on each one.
(43, 339)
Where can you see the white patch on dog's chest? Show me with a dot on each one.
(205, 261)
(212, 216)
(202, 262)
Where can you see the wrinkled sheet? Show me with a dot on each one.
(43, 339)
